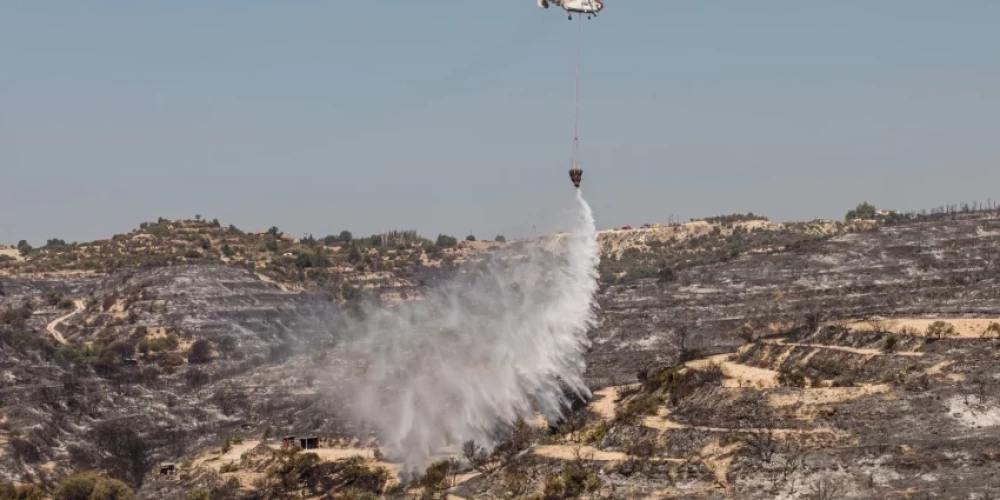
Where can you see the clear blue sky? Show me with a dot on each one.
(450, 115)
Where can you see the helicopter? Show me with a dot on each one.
(589, 7)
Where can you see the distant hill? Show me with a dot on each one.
(396, 258)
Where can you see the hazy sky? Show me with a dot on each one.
(451, 115)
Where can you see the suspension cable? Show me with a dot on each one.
(576, 119)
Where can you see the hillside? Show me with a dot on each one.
(395, 259)
(732, 359)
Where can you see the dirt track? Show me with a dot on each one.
(51, 327)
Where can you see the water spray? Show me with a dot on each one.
(503, 341)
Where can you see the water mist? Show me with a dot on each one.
(504, 340)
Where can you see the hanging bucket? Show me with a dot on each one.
(576, 175)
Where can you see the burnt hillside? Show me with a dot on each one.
(184, 354)
(933, 268)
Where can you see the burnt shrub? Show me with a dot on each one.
(792, 378)
(846, 380)
(575, 480)
(891, 343)
(436, 476)
(293, 470)
(53, 298)
(127, 455)
(476, 455)
(171, 360)
(279, 353)
(201, 352)
(25, 450)
(196, 378)
(941, 330)
(17, 317)
(642, 405)
(355, 476)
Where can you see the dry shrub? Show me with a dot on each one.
(940, 330)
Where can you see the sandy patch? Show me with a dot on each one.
(748, 376)
(571, 452)
(461, 478)
(213, 460)
(966, 328)
(826, 395)
(854, 350)
(737, 375)
(334, 454)
(13, 253)
(706, 363)
(604, 400)
(662, 422)
(582, 452)
(246, 478)
(938, 368)
(718, 459)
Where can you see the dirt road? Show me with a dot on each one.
(51, 327)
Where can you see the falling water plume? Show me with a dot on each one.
(504, 340)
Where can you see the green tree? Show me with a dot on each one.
(77, 486)
(24, 247)
(354, 255)
(90, 486)
(199, 494)
(350, 292)
(346, 236)
(111, 489)
(500, 239)
(864, 210)
(445, 241)
(25, 492)
(470, 238)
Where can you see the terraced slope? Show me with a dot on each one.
(941, 268)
